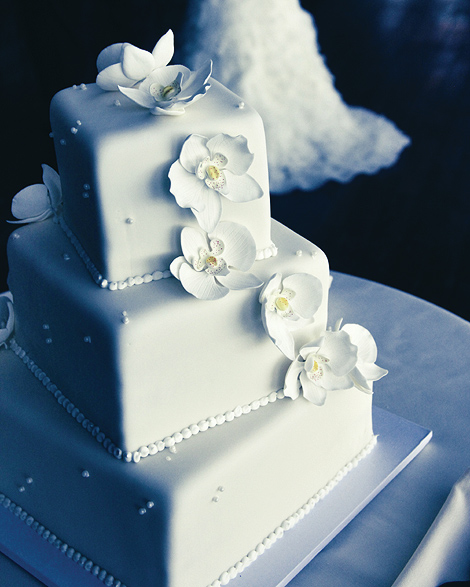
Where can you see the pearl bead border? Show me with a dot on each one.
(70, 552)
(292, 520)
(96, 275)
(154, 447)
(226, 576)
(270, 251)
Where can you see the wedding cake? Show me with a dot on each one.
(173, 397)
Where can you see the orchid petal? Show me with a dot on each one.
(39, 218)
(136, 63)
(31, 201)
(342, 354)
(109, 56)
(193, 151)
(240, 248)
(112, 78)
(235, 149)
(163, 51)
(332, 382)
(239, 280)
(200, 284)
(183, 102)
(175, 266)
(307, 350)
(158, 111)
(192, 241)
(138, 96)
(308, 293)
(164, 76)
(312, 392)
(51, 180)
(241, 188)
(188, 190)
(273, 285)
(196, 81)
(364, 340)
(7, 317)
(360, 381)
(372, 372)
(278, 333)
(291, 382)
(208, 217)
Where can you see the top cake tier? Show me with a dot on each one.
(114, 159)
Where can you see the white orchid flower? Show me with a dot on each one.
(208, 169)
(214, 264)
(288, 304)
(7, 318)
(39, 201)
(125, 65)
(339, 360)
(365, 370)
(169, 90)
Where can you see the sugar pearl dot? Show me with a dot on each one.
(45, 326)
(130, 220)
(87, 339)
(142, 511)
(168, 458)
(21, 488)
(63, 142)
(66, 257)
(150, 504)
(221, 488)
(241, 105)
(299, 253)
(215, 499)
(117, 102)
(85, 474)
(29, 480)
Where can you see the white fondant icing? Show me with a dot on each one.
(133, 368)
(125, 156)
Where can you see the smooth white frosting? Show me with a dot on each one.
(117, 201)
(153, 360)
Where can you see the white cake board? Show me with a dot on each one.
(399, 441)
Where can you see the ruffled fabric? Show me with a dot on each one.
(267, 52)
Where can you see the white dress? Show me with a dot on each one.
(267, 52)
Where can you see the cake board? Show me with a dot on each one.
(399, 441)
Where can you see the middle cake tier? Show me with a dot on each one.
(148, 362)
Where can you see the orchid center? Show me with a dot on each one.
(210, 261)
(165, 93)
(282, 304)
(314, 367)
(213, 172)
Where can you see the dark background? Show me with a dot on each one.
(407, 226)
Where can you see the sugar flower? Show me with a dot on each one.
(208, 169)
(340, 359)
(39, 201)
(7, 318)
(125, 65)
(169, 90)
(288, 304)
(214, 264)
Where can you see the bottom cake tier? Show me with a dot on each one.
(195, 514)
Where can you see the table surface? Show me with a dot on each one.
(427, 352)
